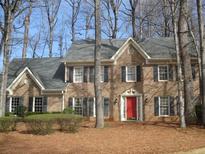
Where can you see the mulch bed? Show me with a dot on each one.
(116, 137)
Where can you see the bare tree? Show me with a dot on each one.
(51, 7)
(75, 7)
(11, 9)
(26, 30)
(166, 15)
(173, 6)
(131, 13)
(186, 60)
(112, 19)
(97, 60)
(202, 54)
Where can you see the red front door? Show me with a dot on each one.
(131, 108)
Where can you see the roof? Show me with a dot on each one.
(157, 48)
(83, 50)
(163, 48)
(48, 71)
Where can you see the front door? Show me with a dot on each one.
(131, 108)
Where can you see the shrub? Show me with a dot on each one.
(7, 114)
(8, 124)
(20, 111)
(69, 124)
(39, 125)
(68, 110)
(42, 123)
(35, 113)
(198, 110)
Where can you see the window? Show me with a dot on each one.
(15, 103)
(78, 74)
(164, 106)
(163, 73)
(78, 106)
(131, 73)
(38, 107)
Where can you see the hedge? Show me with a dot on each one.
(8, 124)
(42, 124)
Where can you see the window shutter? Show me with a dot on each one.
(138, 73)
(170, 73)
(176, 72)
(106, 68)
(155, 72)
(85, 74)
(70, 74)
(178, 106)
(91, 75)
(106, 106)
(156, 106)
(30, 104)
(193, 71)
(70, 102)
(7, 105)
(172, 106)
(123, 74)
(45, 102)
(85, 107)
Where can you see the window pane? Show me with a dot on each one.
(15, 103)
(38, 104)
(79, 74)
(164, 106)
(163, 72)
(131, 73)
(78, 106)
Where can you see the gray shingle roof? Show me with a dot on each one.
(49, 71)
(163, 47)
(83, 50)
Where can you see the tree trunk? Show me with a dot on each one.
(50, 46)
(186, 60)
(6, 54)
(202, 55)
(97, 56)
(26, 31)
(179, 67)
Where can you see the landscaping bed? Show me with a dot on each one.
(116, 137)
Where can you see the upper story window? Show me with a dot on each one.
(86, 74)
(163, 72)
(131, 73)
(78, 74)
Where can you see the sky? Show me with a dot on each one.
(39, 25)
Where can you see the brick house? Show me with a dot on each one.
(139, 80)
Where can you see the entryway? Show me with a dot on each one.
(131, 107)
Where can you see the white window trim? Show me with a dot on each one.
(134, 72)
(159, 99)
(81, 67)
(159, 72)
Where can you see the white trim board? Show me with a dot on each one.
(125, 45)
(17, 80)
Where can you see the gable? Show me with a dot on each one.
(130, 43)
(19, 79)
